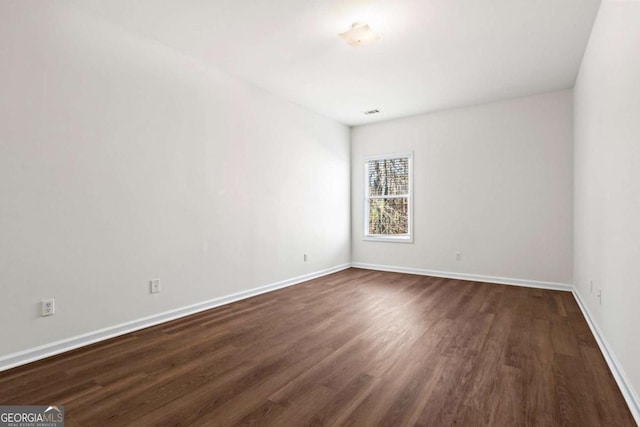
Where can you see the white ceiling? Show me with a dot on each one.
(432, 55)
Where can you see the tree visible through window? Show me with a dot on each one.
(388, 198)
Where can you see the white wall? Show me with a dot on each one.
(492, 181)
(122, 161)
(607, 181)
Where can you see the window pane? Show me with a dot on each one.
(388, 177)
(389, 216)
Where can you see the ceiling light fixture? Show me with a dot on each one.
(359, 34)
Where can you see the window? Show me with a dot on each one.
(387, 201)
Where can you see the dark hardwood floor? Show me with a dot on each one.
(357, 348)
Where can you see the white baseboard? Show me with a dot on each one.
(57, 347)
(630, 396)
(464, 276)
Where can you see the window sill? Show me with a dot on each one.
(392, 239)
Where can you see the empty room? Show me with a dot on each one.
(319, 212)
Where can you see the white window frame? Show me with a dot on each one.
(400, 238)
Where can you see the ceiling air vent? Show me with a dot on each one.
(371, 112)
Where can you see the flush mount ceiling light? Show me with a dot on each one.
(359, 34)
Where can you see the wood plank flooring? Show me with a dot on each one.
(356, 348)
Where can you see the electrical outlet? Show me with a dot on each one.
(591, 283)
(154, 286)
(306, 257)
(458, 256)
(48, 307)
(599, 295)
